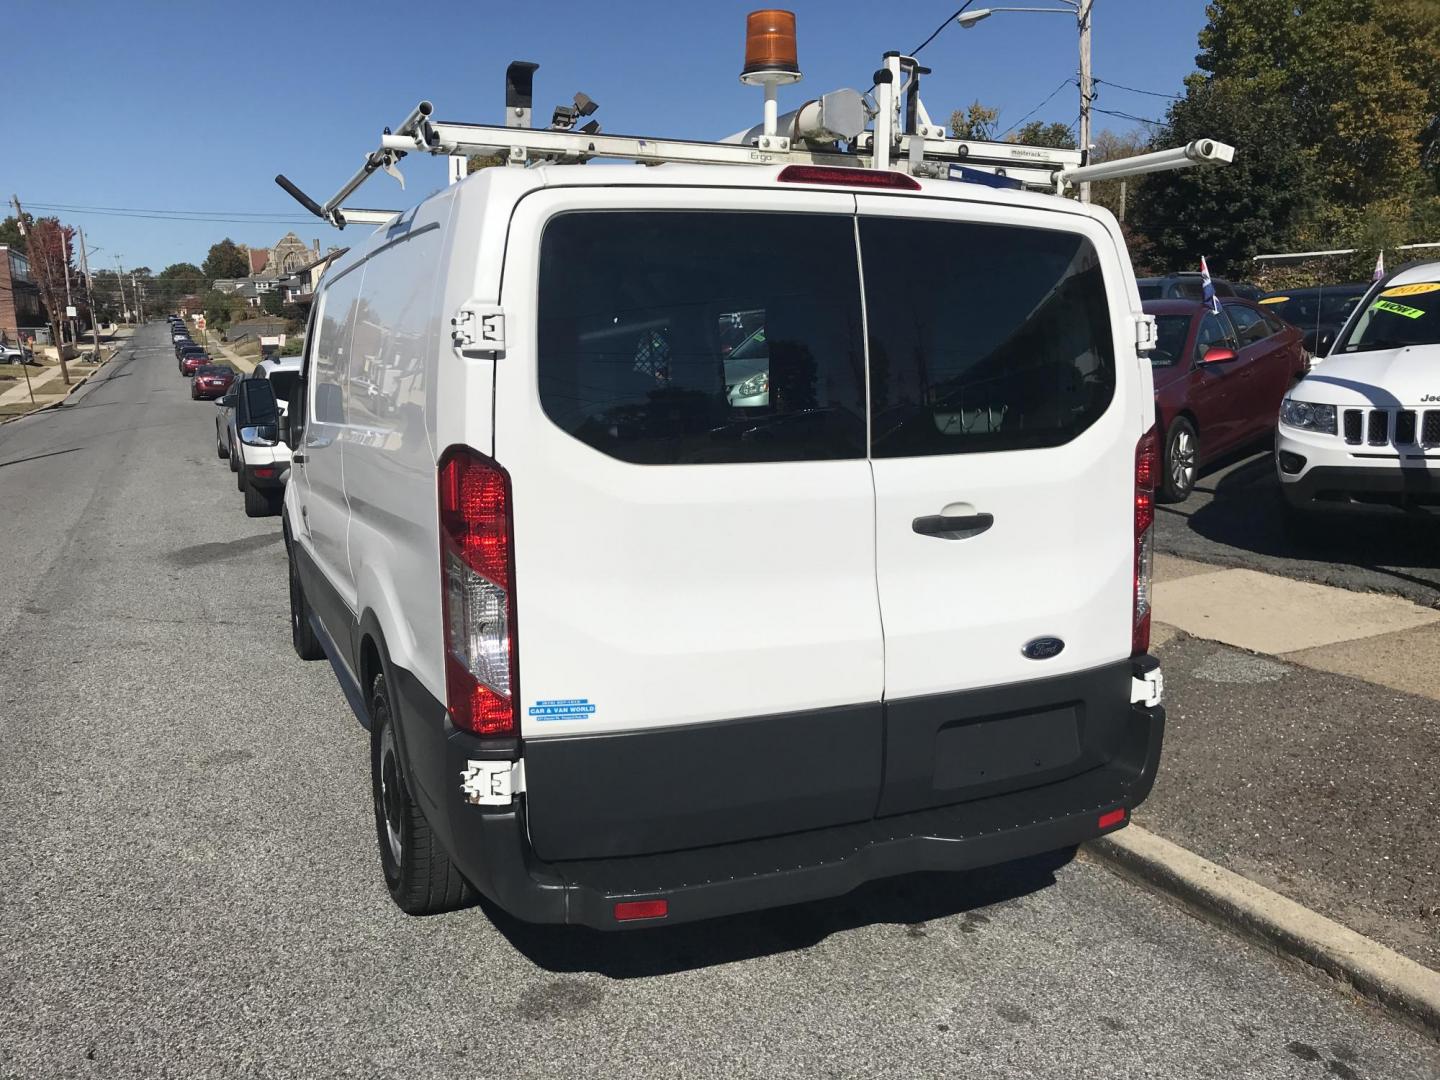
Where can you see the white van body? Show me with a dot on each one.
(893, 617)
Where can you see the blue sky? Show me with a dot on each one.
(196, 106)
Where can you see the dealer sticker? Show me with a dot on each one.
(1397, 309)
(1417, 289)
(1274, 299)
(562, 709)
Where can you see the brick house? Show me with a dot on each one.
(20, 307)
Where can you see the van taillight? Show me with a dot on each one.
(477, 584)
(1147, 461)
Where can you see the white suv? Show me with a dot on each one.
(259, 459)
(1361, 432)
(634, 648)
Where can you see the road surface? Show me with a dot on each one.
(192, 890)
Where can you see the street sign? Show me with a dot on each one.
(70, 312)
(200, 322)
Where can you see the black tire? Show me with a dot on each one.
(302, 634)
(419, 874)
(1179, 466)
(230, 453)
(221, 450)
(239, 471)
(259, 502)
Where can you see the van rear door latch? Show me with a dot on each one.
(492, 783)
(1146, 333)
(1148, 688)
(479, 328)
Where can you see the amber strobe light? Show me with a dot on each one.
(770, 42)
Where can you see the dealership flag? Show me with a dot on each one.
(1379, 266)
(1207, 287)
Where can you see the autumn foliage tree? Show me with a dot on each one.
(50, 250)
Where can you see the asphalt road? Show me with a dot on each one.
(1233, 518)
(191, 887)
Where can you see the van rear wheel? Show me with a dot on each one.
(419, 874)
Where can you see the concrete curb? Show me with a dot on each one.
(1407, 990)
(71, 393)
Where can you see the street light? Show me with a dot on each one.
(1080, 9)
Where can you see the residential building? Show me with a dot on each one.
(20, 307)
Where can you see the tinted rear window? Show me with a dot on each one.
(703, 336)
(283, 382)
(982, 337)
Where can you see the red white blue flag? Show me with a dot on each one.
(1207, 288)
(1379, 267)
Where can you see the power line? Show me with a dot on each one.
(1128, 116)
(1133, 90)
(238, 218)
(1037, 108)
(960, 11)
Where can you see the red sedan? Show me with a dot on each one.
(211, 381)
(193, 362)
(1219, 379)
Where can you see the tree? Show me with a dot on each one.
(976, 122)
(476, 162)
(218, 307)
(50, 253)
(10, 232)
(177, 280)
(1115, 195)
(1037, 133)
(272, 302)
(225, 260)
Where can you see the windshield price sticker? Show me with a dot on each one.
(1413, 290)
(1274, 299)
(1398, 309)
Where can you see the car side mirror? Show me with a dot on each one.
(1218, 354)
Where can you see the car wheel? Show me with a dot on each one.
(302, 634)
(234, 459)
(221, 450)
(1182, 448)
(419, 874)
(258, 503)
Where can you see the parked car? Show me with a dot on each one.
(14, 354)
(1185, 285)
(1319, 312)
(211, 381)
(1219, 379)
(1361, 433)
(224, 421)
(192, 361)
(258, 457)
(260, 463)
(596, 486)
(187, 349)
(181, 344)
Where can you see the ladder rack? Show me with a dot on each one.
(842, 128)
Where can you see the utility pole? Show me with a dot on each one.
(139, 303)
(90, 294)
(1086, 91)
(1122, 201)
(120, 282)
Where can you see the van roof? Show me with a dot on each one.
(281, 363)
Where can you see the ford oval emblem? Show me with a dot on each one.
(1043, 648)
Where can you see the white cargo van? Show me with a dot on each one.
(635, 648)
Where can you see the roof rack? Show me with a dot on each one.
(887, 129)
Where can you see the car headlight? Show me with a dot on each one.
(756, 384)
(1307, 416)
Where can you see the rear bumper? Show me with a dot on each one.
(492, 846)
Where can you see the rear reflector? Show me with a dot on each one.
(630, 910)
(865, 178)
(1114, 817)
(264, 473)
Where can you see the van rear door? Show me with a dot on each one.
(681, 409)
(1004, 425)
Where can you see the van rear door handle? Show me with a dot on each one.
(960, 527)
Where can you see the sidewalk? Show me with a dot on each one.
(1303, 744)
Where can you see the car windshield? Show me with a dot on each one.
(1170, 334)
(215, 369)
(283, 383)
(1398, 316)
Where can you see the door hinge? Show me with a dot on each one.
(1147, 689)
(1146, 334)
(479, 328)
(492, 783)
